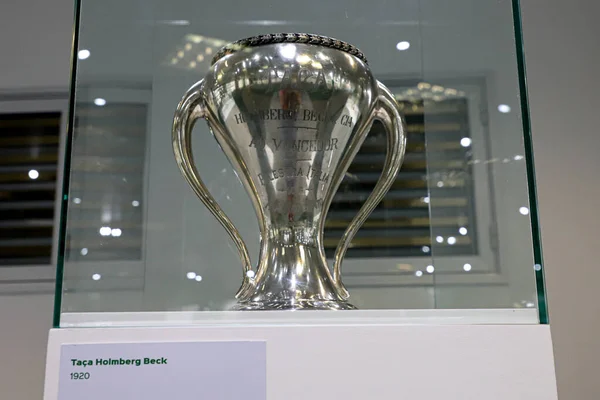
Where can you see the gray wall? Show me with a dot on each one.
(561, 53)
(35, 41)
(35, 44)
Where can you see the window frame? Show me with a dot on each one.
(113, 273)
(383, 273)
(40, 278)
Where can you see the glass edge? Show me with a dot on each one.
(66, 169)
(528, 145)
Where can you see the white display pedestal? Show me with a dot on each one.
(358, 362)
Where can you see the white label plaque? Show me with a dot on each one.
(159, 371)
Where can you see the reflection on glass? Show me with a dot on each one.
(460, 204)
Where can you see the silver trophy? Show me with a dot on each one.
(290, 111)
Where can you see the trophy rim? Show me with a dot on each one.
(301, 38)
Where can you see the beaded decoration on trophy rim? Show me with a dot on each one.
(303, 38)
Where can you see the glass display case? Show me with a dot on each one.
(456, 235)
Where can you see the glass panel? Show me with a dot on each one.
(474, 53)
(449, 234)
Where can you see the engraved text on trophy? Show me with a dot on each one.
(279, 114)
(303, 120)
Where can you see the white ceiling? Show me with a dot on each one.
(130, 39)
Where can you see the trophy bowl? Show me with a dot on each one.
(290, 111)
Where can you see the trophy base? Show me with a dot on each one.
(292, 305)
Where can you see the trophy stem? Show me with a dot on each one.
(293, 277)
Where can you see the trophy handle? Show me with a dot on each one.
(387, 111)
(189, 110)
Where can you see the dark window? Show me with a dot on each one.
(402, 225)
(28, 169)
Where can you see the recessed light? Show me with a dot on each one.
(404, 45)
(116, 232)
(33, 174)
(83, 54)
(504, 108)
(524, 210)
(465, 142)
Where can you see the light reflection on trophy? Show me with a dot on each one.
(290, 111)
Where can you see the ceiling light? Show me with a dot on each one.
(83, 54)
(116, 232)
(401, 46)
(504, 108)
